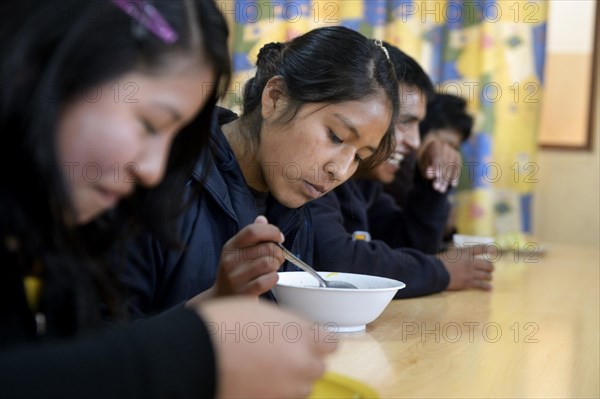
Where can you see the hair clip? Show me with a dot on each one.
(379, 43)
(148, 16)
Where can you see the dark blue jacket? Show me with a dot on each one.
(399, 237)
(158, 278)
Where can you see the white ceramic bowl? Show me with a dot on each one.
(462, 240)
(341, 310)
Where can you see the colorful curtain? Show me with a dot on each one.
(491, 52)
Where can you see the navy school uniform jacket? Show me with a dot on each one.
(48, 354)
(158, 277)
(401, 239)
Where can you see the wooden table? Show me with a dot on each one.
(535, 335)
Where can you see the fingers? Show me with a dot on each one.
(261, 220)
(252, 270)
(261, 284)
(308, 371)
(265, 256)
(315, 367)
(482, 285)
(441, 163)
(452, 171)
(250, 260)
(270, 365)
(255, 233)
(483, 276)
(440, 185)
(327, 346)
(252, 278)
(325, 341)
(439, 182)
(468, 270)
(430, 172)
(484, 265)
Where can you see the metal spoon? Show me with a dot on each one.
(322, 282)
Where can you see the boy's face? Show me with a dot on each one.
(413, 106)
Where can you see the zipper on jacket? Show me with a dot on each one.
(223, 207)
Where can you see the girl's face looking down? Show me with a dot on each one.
(119, 134)
(320, 148)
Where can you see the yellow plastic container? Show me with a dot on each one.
(333, 385)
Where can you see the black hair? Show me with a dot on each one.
(409, 72)
(51, 51)
(446, 111)
(325, 65)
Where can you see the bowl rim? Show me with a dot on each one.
(399, 284)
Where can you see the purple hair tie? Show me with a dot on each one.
(149, 17)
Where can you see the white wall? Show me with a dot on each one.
(566, 206)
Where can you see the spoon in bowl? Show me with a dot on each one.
(322, 282)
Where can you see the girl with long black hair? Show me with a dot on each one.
(105, 107)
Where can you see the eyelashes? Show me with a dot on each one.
(149, 127)
(336, 140)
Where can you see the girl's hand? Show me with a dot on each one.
(250, 260)
(269, 364)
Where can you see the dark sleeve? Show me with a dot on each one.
(168, 356)
(153, 274)
(335, 251)
(144, 262)
(420, 225)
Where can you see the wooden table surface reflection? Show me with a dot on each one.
(535, 335)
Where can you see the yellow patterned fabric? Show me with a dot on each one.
(490, 52)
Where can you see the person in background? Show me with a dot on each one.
(359, 228)
(80, 169)
(447, 120)
(317, 108)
